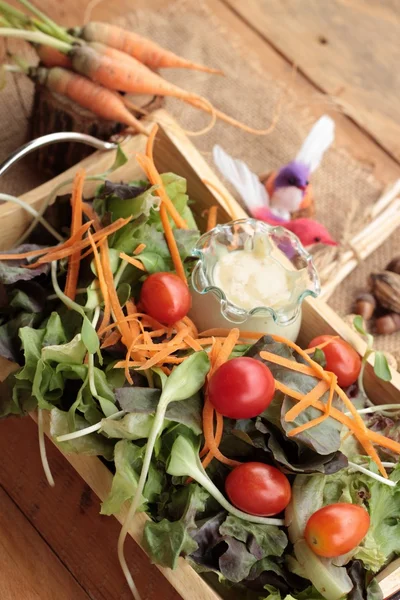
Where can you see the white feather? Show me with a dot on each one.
(317, 142)
(246, 183)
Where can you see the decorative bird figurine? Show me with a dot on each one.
(256, 199)
(289, 188)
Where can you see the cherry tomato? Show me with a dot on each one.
(241, 388)
(336, 529)
(165, 297)
(258, 489)
(341, 359)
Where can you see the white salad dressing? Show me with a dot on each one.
(252, 277)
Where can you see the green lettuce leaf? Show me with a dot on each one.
(32, 341)
(55, 334)
(128, 459)
(145, 401)
(71, 353)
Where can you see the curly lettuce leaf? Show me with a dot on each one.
(167, 540)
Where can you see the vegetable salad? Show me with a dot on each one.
(250, 460)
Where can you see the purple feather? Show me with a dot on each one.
(293, 174)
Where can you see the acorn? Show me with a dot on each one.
(394, 265)
(388, 324)
(365, 305)
(385, 286)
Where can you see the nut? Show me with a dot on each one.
(386, 288)
(394, 265)
(365, 305)
(388, 324)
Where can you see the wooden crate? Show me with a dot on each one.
(174, 152)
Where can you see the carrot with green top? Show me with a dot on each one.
(101, 101)
(146, 51)
(121, 76)
(51, 57)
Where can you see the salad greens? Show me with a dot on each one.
(150, 432)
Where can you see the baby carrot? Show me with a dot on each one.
(102, 102)
(120, 75)
(51, 57)
(146, 51)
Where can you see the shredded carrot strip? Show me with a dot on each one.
(218, 437)
(102, 283)
(105, 292)
(307, 400)
(227, 348)
(208, 418)
(147, 321)
(111, 339)
(212, 218)
(323, 345)
(159, 357)
(128, 354)
(155, 179)
(288, 391)
(91, 214)
(74, 261)
(166, 370)
(169, 234)
(194, 344)
(132, 261)
(320, 419)
(179, 337)
(286, 362)
(115, 305)
(139, 249)
(67, 249)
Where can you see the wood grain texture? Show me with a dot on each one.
(69, 522)
(347, 48)
(29, 568)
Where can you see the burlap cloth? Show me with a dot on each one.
(344, 188)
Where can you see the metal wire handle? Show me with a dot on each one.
(51, 138)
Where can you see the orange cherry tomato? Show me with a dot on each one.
(336, 529)
(341, 359)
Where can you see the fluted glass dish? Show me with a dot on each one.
(211, 307)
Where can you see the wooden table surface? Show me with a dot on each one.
(53, 542)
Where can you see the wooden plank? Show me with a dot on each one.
(67, 517)
(355, 38)
(29, 569)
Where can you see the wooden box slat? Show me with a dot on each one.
(174, 152)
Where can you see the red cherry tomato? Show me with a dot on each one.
(336, 529)
(258, 489)
(341, 359)
(165, 297)
(241, 388)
